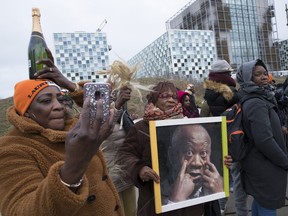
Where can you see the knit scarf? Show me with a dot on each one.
(252, 88)
(154, 113)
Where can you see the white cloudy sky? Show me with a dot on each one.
(131, 26)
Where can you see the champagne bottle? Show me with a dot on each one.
(37, 45)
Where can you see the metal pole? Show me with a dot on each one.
(286, 9)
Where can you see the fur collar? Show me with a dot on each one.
(29, 127)
(223, 89)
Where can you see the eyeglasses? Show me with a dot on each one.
(166, 96)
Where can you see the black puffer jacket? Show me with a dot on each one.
(219, 96)
(265, 167)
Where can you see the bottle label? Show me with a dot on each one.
(38, 36)
(29, 63)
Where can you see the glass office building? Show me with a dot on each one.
(182, 53)
(283, 54)
(80, 55)
(244, 29)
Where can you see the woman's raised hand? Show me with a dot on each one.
(83, 141)
(52, 73)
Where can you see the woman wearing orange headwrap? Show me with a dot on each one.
(51, 165)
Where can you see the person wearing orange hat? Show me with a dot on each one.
(51, 165)
(271, 79)
(272, 82)
(25, 91)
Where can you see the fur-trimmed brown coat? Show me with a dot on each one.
(30, 160)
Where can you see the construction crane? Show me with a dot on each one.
(102, 25)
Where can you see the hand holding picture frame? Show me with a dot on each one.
(188, 155)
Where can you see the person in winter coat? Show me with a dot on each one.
(51, 165)
(110, 146)
(220, 92)
(267, 159)
(189, 107)
(135, 153)
(282, 101)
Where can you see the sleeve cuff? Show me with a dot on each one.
(61, 193)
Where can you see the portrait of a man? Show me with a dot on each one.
(192, 174)
(190, 159)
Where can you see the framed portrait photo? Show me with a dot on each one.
(188, 155)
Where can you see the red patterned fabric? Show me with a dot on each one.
(154, 113)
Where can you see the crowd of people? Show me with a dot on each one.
(58, 162)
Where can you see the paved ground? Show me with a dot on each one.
(230, 210)
(231, 207)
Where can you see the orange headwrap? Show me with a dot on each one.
(26, 90)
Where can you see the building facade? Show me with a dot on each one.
(80, 55)
(283, 54)
(244, 29)
(182, 53)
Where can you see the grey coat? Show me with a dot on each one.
(265, 167)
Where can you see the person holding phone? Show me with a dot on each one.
(51, 165)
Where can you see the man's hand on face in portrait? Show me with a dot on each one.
(184, 185)
(212, 179)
